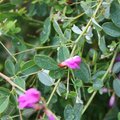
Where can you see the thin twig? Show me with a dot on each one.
(20, 115)
(8, 52)
(37, 48)
(56, 85)
(67, 85)
(11, 82)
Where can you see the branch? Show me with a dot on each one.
(11, 82)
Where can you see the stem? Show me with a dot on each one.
(37, 48)
(11, 82)
(103, 79)
(89, 101)
(67, 85)
(51, 95)
(20, 115)
(57, 83)
(77, 40)
(9, 52)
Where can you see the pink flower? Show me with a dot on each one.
(73, 63)
(29, 99)
(50, 115)
(104, 90)
(112, 101)
(117, 59)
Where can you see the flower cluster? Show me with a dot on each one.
(31, 99)
(73, 62)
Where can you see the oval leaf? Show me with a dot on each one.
(58, 73)
(69, 113)
(4, 101)
(116, 87)
(110, 29)
(58, 30)
(20, 82)
(115, 13)
(46, 31)
(4, 91)
(45, 62)
(83, 73)
(45, 79)
(29, 67)
(63, 53)
(116, 67)
(9, 66)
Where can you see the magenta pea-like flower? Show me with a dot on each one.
(73, 63)
(29, 99)
(117, 59)
(50, 115)
(104, 90)
(112, 101)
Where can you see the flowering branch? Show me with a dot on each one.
(103, 79)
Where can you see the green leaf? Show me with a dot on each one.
(4, 91)
(16, 2)
(87, 8)
(6, 117)
(98, 74)
(90, 90)
(68, 113)
(29, 67)
(97, 84)
(67, 34)
(78, 83)
(73, 113)
(96, 25)
(61, 88)
(45, 62)
(59, 31)
(8, 16)
(102, 44)
(77, 111)
(115, 13)
(119, 116)
(6, 7)
(28, 112)
(20, 82)
(9, 66)
(63, 53)
(45, 78)
(72, 94)
(10, 27)
(116, 87)
(57, 28)
(4, 101)
(44, 36)
(106, 6)
(116, 67)
(58, 73)
(110, 29)
(83, 73)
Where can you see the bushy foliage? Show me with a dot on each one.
(68, 50)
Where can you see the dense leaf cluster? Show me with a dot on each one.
(37, 35)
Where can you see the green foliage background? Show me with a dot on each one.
(37, 35)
